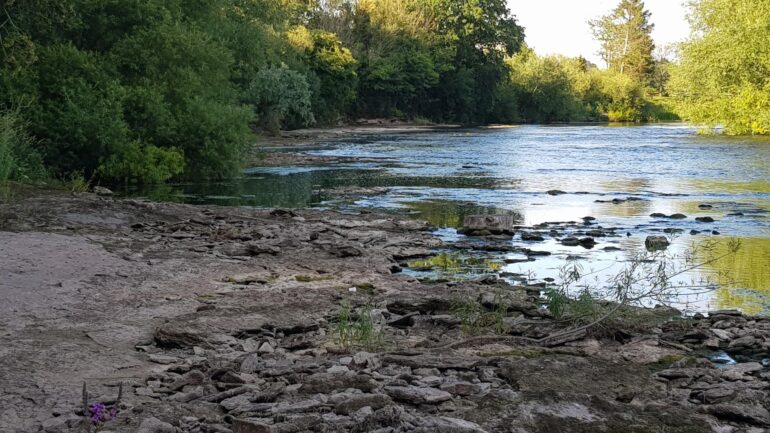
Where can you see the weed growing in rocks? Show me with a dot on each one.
(474, 317)
(469, 311)
(650, 279)
(357, 329)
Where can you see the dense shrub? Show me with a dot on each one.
(19, 160)
(280, 96)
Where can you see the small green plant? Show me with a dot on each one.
(344, 326)
(312, 278)
(469, 311)
(358, 331)
(365, 330)
(77, 183)
(496, 317)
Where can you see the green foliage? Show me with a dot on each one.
(334, 68)
(281, 96)
(625, 35)
(78, 114)
(557, 302)
(469, 311)
(146, 162)
(560, 89)
(474, 317)
(724, 74)
(357, 330)
(76, 182)
(19, 159)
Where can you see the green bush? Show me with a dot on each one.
(78, 116)
(146, 163)
(19, 160)
(214, 137)
(280, 97)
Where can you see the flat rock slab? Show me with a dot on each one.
(417, 395)
(489, 222)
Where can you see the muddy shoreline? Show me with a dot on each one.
(232, 320)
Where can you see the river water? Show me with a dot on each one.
(446, 175)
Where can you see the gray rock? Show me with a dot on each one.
(327, 382)
(249, 426)
(250, 363)
(100, 190)
(154, 425)
(744, 368)
(461, 388)
(656, 243)
(753, 414)
(448, 425)
(163, 359)
(718, 394)
(743, 342)
(356, 402)
(193, 377)
(417, 395)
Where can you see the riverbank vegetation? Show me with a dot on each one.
(159, 89)
(723, 78)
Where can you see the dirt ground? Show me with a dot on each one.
(232, 320)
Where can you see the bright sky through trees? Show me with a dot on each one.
(561, 26)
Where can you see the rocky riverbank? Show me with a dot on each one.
(237, 320)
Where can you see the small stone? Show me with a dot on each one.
(250, 345)
(265, 348)
(704, 219)
(154, 425)
(461, 388)
(248, 426)
(163, 359)
(356, 402)
(250, 364)
(346, 360)
(656, 243)
(334, 369)
(100, 190)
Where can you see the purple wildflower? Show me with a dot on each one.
(99, 413)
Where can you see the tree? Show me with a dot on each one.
(625, 35)
(724, 75)
(280, 95)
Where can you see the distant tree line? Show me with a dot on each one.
(151, 90)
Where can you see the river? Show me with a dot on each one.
(619, 175)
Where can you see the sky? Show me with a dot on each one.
(561, 26)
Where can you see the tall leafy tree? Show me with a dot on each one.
(625, 35)
(724, 75)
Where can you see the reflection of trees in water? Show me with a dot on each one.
(710, 185)
(446, 213)
(626, 185)
(631, 208)
(744, 278)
